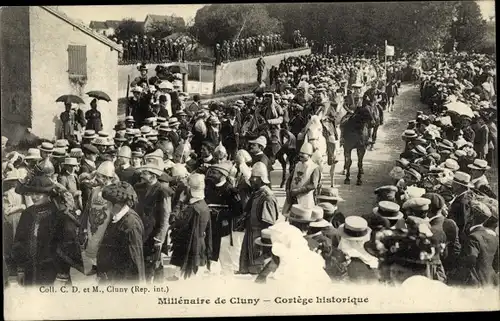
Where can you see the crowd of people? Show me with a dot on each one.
(192, 184)
(148, 49)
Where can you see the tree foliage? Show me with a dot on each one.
(218, 22)
(470, 27)
(129, 28)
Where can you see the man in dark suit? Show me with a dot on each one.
(460, 206)
(230, 130)
(256, 149)
(90, 153)
(480, 250)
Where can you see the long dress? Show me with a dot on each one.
(263, 211)
(120, 256)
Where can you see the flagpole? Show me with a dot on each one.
(385, 60)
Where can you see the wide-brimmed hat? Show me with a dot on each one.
(446, 144)
(479, 164)
(463, 179)
(61, 143)
(259, 169)
(11, 175)
(409, 134)
(173, 121)
(71, 161)
(46, 147)
(89, 134)
(120, 193)
(264, 239)
(300, 214)
(120, 137)
(155, 167)
(389, 210)
(450, 164)
(76, 153)
(36, 184)
(330, 194)
(354, 228)
(101, 141)
(59, 153)
(33, 153)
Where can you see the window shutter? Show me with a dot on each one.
(77, 60)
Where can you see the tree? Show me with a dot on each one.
(129, 28)
(218, 22)
(470, 27)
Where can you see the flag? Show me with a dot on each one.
(389, 50)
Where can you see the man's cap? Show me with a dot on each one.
(417, 204)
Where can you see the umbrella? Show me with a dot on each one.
(99, 95)
(177, 69)
(460, 108)
(72, 99)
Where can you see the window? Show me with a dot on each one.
(77, 60)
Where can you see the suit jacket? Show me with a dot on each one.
(230, 134)
(479, 254)
(460, 212)
(444, 226)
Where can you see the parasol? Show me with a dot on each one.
(100, 95)
(460, 108)
(177, 69)
(72, 99)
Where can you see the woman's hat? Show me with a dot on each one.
(354, 228)
(300, 214)
(479, 164)
(389, 210)
(264, 239)
(71, 161)
(33, 153)
(46, 147)
(120, 193)
(463, 179)
(330, 194)
(36, 184)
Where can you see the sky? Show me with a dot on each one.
(188, 12)
(138, 12)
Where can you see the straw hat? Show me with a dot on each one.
(354, 228)
(173, 121)
(76, 153)
(330, 194)
(12, 175)
(33, 153)
(463, 179)
(389, 210)
(71, 161)
(300, 214)
(264, 239)
(479, 164)
(59, 153)
(46, 147)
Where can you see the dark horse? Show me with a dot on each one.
(355, 135)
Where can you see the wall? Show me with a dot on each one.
(50, 37)
(15, 71)
(243, 72)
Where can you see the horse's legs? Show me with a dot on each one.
(361, 154)
(347, 164)
(373, 136)
(283, 162)
(332, 160)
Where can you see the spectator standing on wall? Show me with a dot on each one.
(261, 64)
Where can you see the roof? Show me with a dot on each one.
(162, 18)
(112, 23)
(84, 28)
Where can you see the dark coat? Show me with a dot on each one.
(442, 225)
(479, 252)
(94, 121)
(230, 134)
(460, 212)
(120, 256)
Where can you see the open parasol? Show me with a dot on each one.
(72, 99)
(177, 69)
(459, 108)
(100, 95)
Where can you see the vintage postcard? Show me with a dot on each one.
(211, 160)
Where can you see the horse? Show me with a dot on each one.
(289, 148)
(355, 135)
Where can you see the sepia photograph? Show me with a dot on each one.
(260, 159)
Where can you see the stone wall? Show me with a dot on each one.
(244, 72)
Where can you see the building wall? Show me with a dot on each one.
(243, 72)
(50, 37)
(15, 70)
